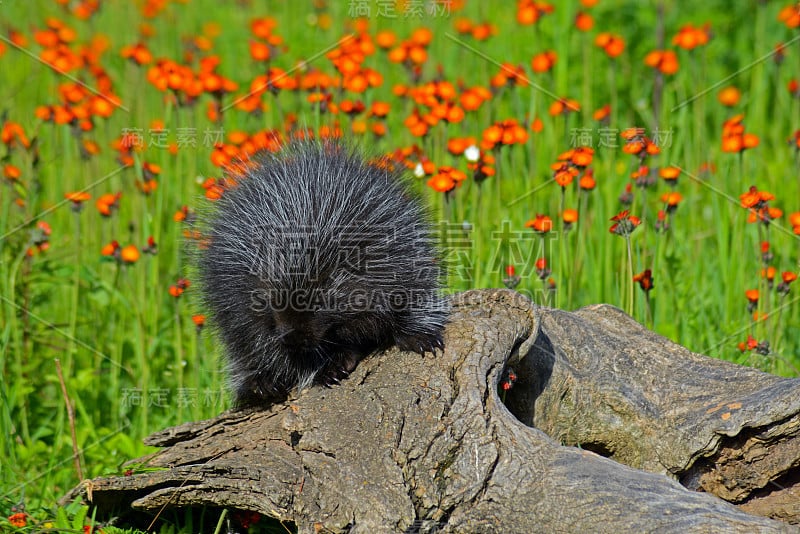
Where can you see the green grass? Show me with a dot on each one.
(132, 358)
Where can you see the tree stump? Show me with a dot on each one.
(412, 443)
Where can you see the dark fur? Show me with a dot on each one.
(314, 260)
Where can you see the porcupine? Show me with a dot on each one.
(314, 259)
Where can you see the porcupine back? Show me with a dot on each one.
(315, 259)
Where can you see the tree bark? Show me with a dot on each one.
(410, 442)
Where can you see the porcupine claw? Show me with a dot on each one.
(335, 373)
(332, 377)
(421, 343)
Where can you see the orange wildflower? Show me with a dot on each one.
(638, 144)
(416, 124)
(729, 96)
(137, 53)
(570, 217)
(129, 254)
(671, 200)
(12, 135)
(259, 51)
(446, 179)
(544, 62)
(422, 36)
(509, 75)
(541, 224)
(39, 239)
(11, 172)
(645, 280)
(790, 15)
(507, 132)
(624, 223)
(587, 181)
(471, 99)
(734, 138)
(441, 183)
(584, 21)
(787, 277)
(379, 109)
(182, 214)
(602, 114)
(530, 11)
(110, 249)
(482, 165)
(613, 44)
(750, 344)
(755, 199)
(670, 174)
(757, 204)
(663, 60)
(18, 520)
(483, 31)
(385, 39)
(177, 289)
(563, 106)
(77, 198)
(107, 203)
(764, 215)
(769, 274)
(794, 87)
(457, 145)
(147, 186)
(542, 271)
(581, 156)
(199, 321)
(794, 220)
(689, 37)
(569, 164)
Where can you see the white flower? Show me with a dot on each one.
(472, 153)
(419, 171)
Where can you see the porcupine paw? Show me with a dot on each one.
(421, 343)
(337, 371)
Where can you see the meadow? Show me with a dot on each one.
(643, 154)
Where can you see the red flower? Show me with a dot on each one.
(664, 60)
(787, 277)
(446, 179)
(750, 344)
(690, 37)
(734, 138)
(613, 44)
(624, 223)
(645, 279)
(130, 254)
(18, 520)
(107, 203)
(544, 62)
(541, 224)
(177, 289)
(542, 270)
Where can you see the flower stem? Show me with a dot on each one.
(629, 309)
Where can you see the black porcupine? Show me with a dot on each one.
(313, 260)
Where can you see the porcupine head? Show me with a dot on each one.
(314, 259)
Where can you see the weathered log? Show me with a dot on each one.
(599, 380)
(409, 441)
